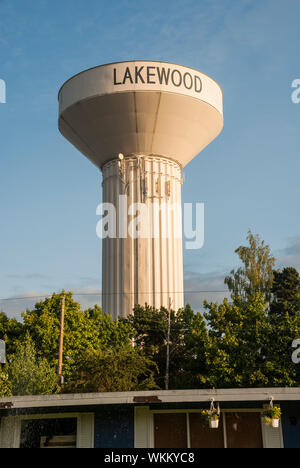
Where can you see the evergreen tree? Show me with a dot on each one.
(284, 319)
(285, 293)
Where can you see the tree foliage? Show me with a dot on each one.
(236, 343)
(5, 384)
(285, 293)
(284, 317)
(151, 336)
(256, 274)
(83, 330)
(242, 342)
(28, 373)
(113, 370)
(10, 331)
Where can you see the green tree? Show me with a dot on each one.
(114, 370)
(151, 336)
(281, 370)
(284, 319)
(5, 384)
(237, 341)
(83, 330)
(10, 331)
(28, 373)
(256, 274)
(189, 361)
(285, 293)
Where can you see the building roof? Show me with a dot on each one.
(151, 397)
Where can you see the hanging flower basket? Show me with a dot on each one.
(271, 416)
(211, 418)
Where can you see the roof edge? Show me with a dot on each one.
(156, 396)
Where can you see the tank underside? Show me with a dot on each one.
(166, 124)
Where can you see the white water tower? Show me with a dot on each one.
(141, 122)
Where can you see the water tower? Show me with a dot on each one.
(141, 122)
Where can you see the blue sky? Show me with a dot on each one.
(247, 178)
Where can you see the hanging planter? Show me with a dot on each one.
(211, 417)
(214, 423)
(271, 416)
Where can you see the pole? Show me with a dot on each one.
(61, 342)
(168, 347)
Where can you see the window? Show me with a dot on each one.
(49, 433)
(48, 430)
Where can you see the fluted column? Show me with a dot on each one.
(143, 263)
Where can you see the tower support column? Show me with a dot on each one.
(142, 263)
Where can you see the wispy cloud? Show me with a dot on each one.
(27, 276)
(200, 287)
(14, 305)
(293, 247)
(290, 255)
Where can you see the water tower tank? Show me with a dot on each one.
(141, 122)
